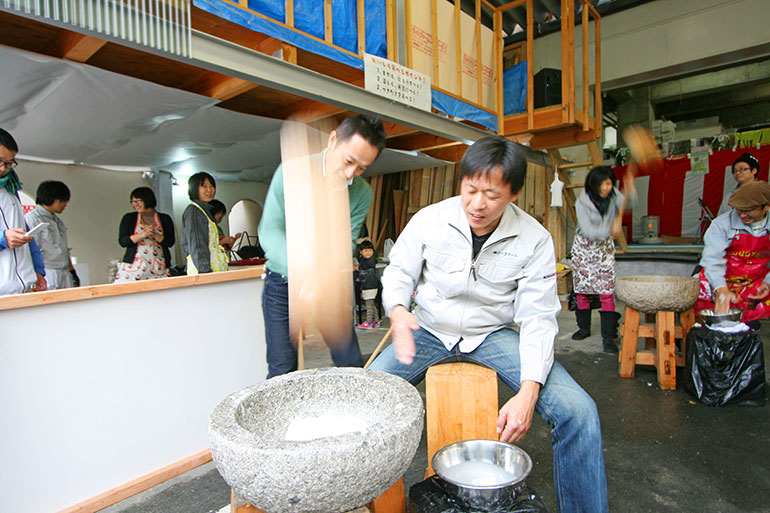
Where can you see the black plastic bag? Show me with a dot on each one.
(596, 304)
(429, 497)
(725, 368)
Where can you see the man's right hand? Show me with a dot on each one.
(724, 298)
(403, 323)
(16, 238)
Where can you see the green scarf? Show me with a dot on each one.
(11, 182)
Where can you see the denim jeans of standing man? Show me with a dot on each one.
(578, 460)
(281, 353)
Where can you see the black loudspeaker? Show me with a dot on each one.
(547, 87)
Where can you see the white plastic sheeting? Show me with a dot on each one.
(70, 112)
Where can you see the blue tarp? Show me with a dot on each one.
(515, 89)
(308, 17)
(460, 109)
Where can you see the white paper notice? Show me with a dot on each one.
(397, 82)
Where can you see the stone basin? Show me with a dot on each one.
(653, 293)
(368, 425)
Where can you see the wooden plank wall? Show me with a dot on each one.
(397, 197)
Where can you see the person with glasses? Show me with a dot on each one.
(736, 256)
(147, 236)
(21, 264)
(745, 169)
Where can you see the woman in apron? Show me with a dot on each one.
(736, 254)
(147, 236)
(599, 214)
(200, 237)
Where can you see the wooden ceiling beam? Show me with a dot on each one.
(420, 142)
(395, 130)
(450, 153)
(224, 87)
(78, 47)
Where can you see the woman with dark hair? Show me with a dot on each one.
(599, 215)
(200, 236)
(146, 234)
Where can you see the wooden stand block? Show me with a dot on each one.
(664, 356)
(460, 404)
(392, 501)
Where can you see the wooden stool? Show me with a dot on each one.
(460, 404)
(663, 354)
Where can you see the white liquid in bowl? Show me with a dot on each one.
(478, 473)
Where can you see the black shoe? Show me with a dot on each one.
(609, 322)
(583, 318)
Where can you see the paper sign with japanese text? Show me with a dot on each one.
(397, 82)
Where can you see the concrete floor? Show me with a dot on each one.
(663, 451)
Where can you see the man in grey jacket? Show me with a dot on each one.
(477, 264)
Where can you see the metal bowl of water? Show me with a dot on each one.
(482, 474)
(711, 318)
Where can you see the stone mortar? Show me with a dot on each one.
(247, 432)
(653, 293)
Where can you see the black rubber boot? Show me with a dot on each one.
(610, 331)
(584, 324)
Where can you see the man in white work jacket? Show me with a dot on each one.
(476, 264)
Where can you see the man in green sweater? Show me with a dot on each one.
(352, 147)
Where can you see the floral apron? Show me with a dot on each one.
(747, 258)
(149, 262)
(217, 254)
(593, 265)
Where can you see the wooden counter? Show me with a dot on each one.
(115, 289)
(104, 385)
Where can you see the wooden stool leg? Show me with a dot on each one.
(629, 343)
(392, 501)
(686, 322)
(666, 362)
(460, 404)
(238, 505)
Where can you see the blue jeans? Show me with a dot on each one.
(578, 461)
(281, 353)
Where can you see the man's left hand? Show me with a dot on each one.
(516, 415)
(762, 291)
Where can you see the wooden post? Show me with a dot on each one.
(498, 71)
(585, 67)
(290, 13)
(458, 51)
(362, 27)
(408, 24)
(598, 72)
(392, 501)
(391, 28)
(460, 404)
(530, 66)
(434, 39)
(328, 36)
(479, 82)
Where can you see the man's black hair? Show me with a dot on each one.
(491, 153)
(196, 181)
(217, 207)
(50, 191)
(146, 195)
(8, 141)
(368, 127)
